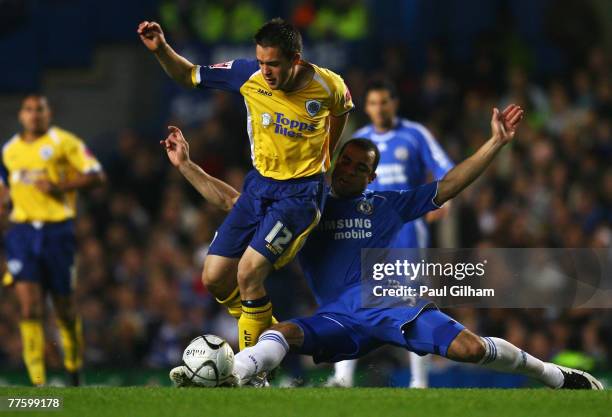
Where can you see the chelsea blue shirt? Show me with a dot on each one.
(331, 258)
(408, 152)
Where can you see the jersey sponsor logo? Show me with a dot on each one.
(350, 228)
(365, 207)
(28, 176)
(264, 92)
(401, 153)
(391, 174)
(313, 107)
(291, 128)
(222, 65)
(46, 152)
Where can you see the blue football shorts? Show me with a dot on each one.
(42, 253)
(273, 217)
(333, 337)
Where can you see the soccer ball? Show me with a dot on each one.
(209, 361)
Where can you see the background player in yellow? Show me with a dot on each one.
(42, 169)
(296, 112)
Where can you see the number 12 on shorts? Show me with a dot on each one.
(278, 237)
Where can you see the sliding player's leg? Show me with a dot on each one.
(326, 337)
(269, 351)
(435, 332)
(501, 355)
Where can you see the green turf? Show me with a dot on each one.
(315, 402)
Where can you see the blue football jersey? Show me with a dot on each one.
(331, 257)
(408, 152)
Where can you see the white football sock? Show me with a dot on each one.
(501, 355)
(419, 365)
(266, 355)
(344, 372)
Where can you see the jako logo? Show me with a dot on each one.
(264, 92)
(285, 126)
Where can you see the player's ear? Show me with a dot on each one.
(296, 58)
(372, 177)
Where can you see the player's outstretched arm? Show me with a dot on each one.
(176, 66)
(503, 129)
(215, 191)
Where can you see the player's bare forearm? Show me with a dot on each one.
(336, 127)
(176, 66)
(467, 171)
(82, 182)
(215, 191)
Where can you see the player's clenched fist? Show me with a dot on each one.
(151, 35)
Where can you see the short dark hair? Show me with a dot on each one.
(280, 34)
(366, 145)
(378, 85)
(35, 95)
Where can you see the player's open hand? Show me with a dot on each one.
(151, 34)
(176, 146)
(504, 124)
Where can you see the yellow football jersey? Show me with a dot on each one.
(56, 156)
(288, 132)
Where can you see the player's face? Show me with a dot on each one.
(381, 108)
(275, 67)
(353, 172)
(35, 115)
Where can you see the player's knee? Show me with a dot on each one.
(467, 347)
(212, 276)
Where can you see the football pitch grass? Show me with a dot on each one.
(313, 402)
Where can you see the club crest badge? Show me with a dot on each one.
(401, 153)
(365, 207)
(313, 107)
(266, 119)
(46, 152)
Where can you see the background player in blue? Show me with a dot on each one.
(341, 328)
(296, 112)
(408, 155)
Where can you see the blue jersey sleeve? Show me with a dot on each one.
(415, 202)
(227, 76)
(432, 154)
(4, 179)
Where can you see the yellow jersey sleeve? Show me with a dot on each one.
(78, 155)
(341, 100)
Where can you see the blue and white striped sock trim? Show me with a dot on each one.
(490, 351)
(275, 336)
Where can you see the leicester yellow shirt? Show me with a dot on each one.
(56, 156)
(288, 132)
